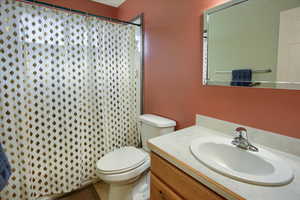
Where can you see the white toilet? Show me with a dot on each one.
(123, 167)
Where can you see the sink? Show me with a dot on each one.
(260, 168)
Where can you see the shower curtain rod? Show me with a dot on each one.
(80, 12)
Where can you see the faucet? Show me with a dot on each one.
(242, 142)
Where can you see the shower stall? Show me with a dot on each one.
(70, 91)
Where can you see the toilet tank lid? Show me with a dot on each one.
(157, 121)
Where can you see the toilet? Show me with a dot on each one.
(122, 168)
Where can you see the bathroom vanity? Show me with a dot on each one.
(177, 174)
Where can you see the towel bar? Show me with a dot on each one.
(254, 71)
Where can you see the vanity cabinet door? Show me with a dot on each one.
(179, 182)
(159, 191)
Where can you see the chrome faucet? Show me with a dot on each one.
(242, 142)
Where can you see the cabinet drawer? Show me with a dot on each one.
(159, 191)
(181, 183)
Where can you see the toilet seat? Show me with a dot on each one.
(121, 161)
(115, 169)
(127, 176)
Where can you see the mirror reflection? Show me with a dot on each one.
(253, 43)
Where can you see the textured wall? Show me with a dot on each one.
(173, 68)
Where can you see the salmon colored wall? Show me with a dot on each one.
(173, 68)
(86, 6)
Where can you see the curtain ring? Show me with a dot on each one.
(87, 15)
(70, 12)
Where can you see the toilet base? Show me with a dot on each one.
(125, 190)
(121, 190)
(117, 192)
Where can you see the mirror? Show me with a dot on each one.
(253, 43)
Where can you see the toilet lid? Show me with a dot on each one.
(120, 160)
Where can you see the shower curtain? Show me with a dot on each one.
(68, 95)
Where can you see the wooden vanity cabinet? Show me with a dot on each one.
(160, 191)
(170, 183)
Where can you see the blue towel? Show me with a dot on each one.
(5, 170)
(241, 77)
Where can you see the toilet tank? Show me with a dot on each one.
(154, 126)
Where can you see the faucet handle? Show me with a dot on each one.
(240, 129)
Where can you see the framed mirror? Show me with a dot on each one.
(253, 43)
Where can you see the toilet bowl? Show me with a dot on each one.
(122, 168)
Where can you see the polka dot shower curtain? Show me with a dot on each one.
(68, 95)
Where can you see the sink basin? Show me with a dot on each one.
(260, 168)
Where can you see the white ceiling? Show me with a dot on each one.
(114, 3)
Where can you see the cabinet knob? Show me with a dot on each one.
(162, 195)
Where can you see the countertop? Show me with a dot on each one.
(175, 148)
